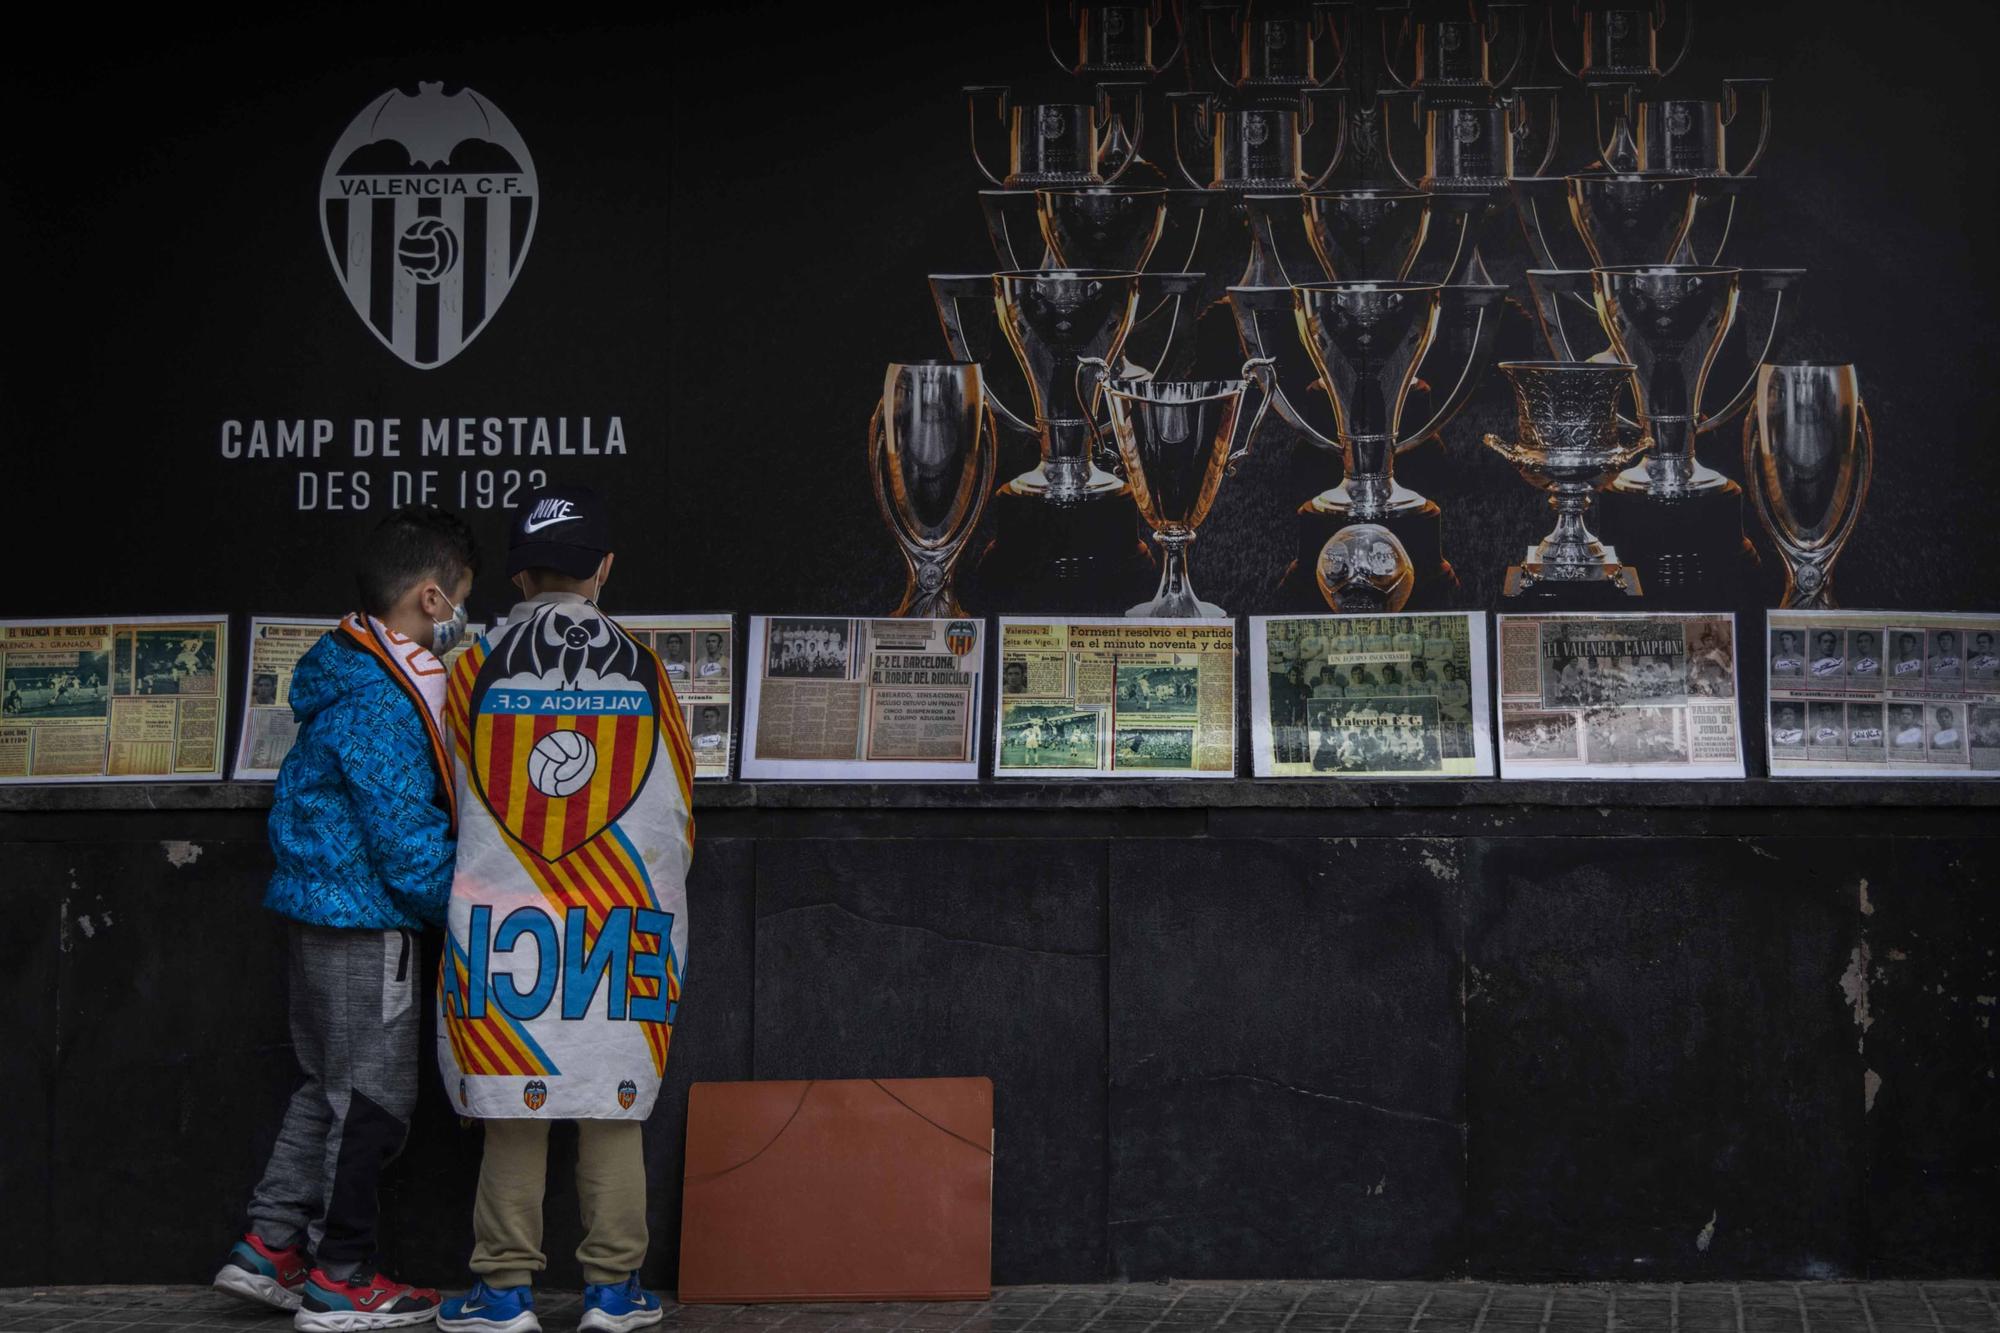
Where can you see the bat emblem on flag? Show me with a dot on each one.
(427, 205)
(565, 727)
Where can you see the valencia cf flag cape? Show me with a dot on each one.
(568, 925)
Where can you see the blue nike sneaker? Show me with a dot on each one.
(618, 1307)
(487, 1309)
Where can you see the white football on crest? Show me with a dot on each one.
(561, 763)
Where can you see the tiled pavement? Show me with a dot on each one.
(1179, 1307)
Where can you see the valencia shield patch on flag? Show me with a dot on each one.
(565, 724)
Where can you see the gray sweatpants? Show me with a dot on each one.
(354, 1027)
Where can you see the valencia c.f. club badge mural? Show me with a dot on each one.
(428, 205)
(565, 720)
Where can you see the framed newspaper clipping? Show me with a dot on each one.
(1359, 696)
(839, 699)
(121, 699)
(1619, 696)
(1879, 694)
(276, 645)
(1116, 698)
(699, 653)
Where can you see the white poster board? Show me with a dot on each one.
(1370, 696)
(843, 699)
(1630, 695)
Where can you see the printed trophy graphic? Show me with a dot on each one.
(1363, 235)
(1178, 441)
(931, 455)
(1273, 46)
(1691, 134)
(1363, 569)
(1678, 520)
(1452, 52)
(1619, 39)
(1633, 217)
(426, 271)
(1101, 227)
(1065, 532)
(1265, 141)
(1365, 343)
(1112, 40)
(1471, 153)
(1059, 143)
(1569, 445)
(1342, 166)
(1808, 456)
(1365, 340)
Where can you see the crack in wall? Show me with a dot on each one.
(1393, 1112)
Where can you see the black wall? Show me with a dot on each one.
(1234, 1030)
(739, 205)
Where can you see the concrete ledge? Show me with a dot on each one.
(1088, 794)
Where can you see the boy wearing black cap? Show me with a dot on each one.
(567, 930)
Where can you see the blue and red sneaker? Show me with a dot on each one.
(364, 1299)
(257, 1273)
(618, 1307)
(487, 1309)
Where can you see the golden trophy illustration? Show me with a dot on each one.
(932, 454)
(1569, 445)
(1178, 441)
(1808, 456)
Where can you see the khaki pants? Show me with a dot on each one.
(610, 1185)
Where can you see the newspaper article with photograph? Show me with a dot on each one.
(1389, 696)
(862, 700)
(129, 699)
(699, 654)
(1619, 696)
(276, 645)
(1877, 694)
(1116, 698)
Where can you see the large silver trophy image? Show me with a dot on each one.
(1366, 339)
(1668, 321)
(1178, 440)
(1065, 530)
(1451, 358)
(931, 455)
(1568, 444)
(1808, 456)
(1057, 321)
(1679, 520)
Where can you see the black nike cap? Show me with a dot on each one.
(564, 528)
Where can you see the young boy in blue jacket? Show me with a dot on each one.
(362, 826)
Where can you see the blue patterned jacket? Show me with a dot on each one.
(359, 825)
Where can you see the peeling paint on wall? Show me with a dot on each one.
(1854, 985)
(1867, 907)
(1438, 866)
(1706, 1236)
(182, 853)
(1871, 1083)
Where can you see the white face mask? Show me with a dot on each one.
(445, 634)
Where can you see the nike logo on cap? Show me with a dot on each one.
(549, 513)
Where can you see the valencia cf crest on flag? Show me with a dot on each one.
(565, 725)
